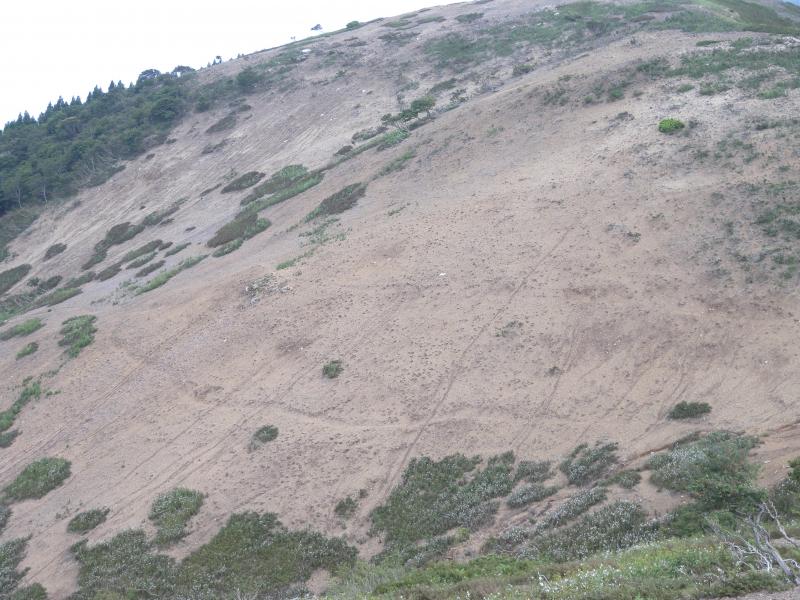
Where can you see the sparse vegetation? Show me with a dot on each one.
(10, 277)
(345, 508)
(171, 512)
(530, 493)
(141, 261)
(31, 390)
(689, 410)
(88, 520)
(37, 479)
(398, 164)
(586, 464)
(263, 435)
(110, 271)
(118, 234)
(533, 471)
(242, 182)
(339, 202)
(27, 350)
(58, 296)
(77, 333)
(225, 123)
(165, 276)
(143, 250)
(243, 227)
(670, 125)
(54, 250)
(22, 329)
(332, 369)
(278, 189)
(175, 249)
(626, 478)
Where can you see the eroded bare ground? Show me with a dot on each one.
(539, 275)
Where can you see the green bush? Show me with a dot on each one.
(242, 182)
(27, 350)
(22, 329)
(118, 234)
(144, 250)
(58, 296)
(31, 390)
(332, 369)
(11, 554)
(77, 333)
(586, 464)
(243, 226)
(626, 479)
(87, 520)
(522, 69)
(530, 493)
(110, 271)
(38, 478)
(171, 512)
(150, 268)
(263, 435)
(689, 410)
(54, 250)
(225, 123)
(7, 438)
(469, 17)
(141, 261)
(339, 202)
(5, 515)
(10, 277)
(345, 508)
(670, 125)
(77, 282)
(228, 248)
(573, 507)
(533, 471)
(165, 276)
(255, 202)
(179, 248)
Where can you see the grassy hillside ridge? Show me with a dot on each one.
(513, 286)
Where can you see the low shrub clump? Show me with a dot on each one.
(150, 268)
(670, 125)
(58, 296)
(27, 350)
(32, 390)
(586, 464)
(118, 234)
(171, 512)
(332, 369)
(530, 493)
(175, 249)
(143, 250)
(88, 520)
(141, 261)
(533, 471)
(228, 248)
(339, 202)
(110, 271)
(626, 479)
(37, 479)
(164, 277)
(10, 277)
(244, 226)
(573, 507)
(77, 333)
(242, 182)
(54, 250)
(263, 435)
(280, 180)
(256, 204)
(689, 410)
(345, 508)
(22, 329)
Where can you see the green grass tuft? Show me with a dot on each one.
(171, 512)
(54, 250)
(586, 464)
(242, 182)
(670, 125)
(88, 520)
(332, 369)
(164, 277)
(58, 296)
(37, 479)
(263, 435)
(10, 277)
(27, 350)
(689, 410)
(244, 226)
(22, 329)
(339, 202)
(77, 333)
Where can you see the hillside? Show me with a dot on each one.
(526, 264)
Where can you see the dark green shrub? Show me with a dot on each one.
(345, 508)
(77, 333)
(88, 520)
(7, 438)
(11, 554)
(228, 248)
(22, 329)
(110, 271)
(530, 493)
(244, 226)
(35, 591)
(332, 369)
(248, 79)
(27, 350)
(626, 479)
(118, 234)
(225, 123)
(670, 125)
(54, 250)
(353, 25)
(38, 478)
(573, 507)
(263, 435)
(141, 261)
(165, 276)
(77, 282)
(522, 69)
(5, 515)
(159, 216)
(689, 410)
(143, 250)
(242, 182)
(533, 471)
(171, 512)
(586, 464)
(339, 202)
(58, 296)
(32, 390)
(150, 268)
(469, 17)
(10, 277)
(177, 249)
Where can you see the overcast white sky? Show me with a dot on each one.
(52, 48)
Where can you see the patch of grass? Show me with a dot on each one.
(12, 223)
(22, 329)
(244, 226)
(433, 497)
(345, 508)
(58, 296)
(11, 554)
(522, 69)
(110, 271)
(27, 350)
(54, 250)
(10, 277)
(398, 164)
(533, 471)
(150, 268)
(332, 369)
(5, 515)
(37, 479)
(225, 123)
(530, 493)
(6, 439)
(77, 282)
(164, 277)
(31, 390)
(228, 248)
(77, 333)
(283, 194)
(171, 512)
(573, 507)
(243, 182)
(684, 87)
(670, 125)
(143, 250)
(283, 179)
(141, 261)
(175, 249)
(118, 234)
(263, 435)
(339, 202)
(627, 479)
(368, 134)
(157, 217)
(87, 520)
(586, 464)
(469, 17)
(689, 410)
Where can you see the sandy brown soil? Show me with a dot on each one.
(513, 211)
